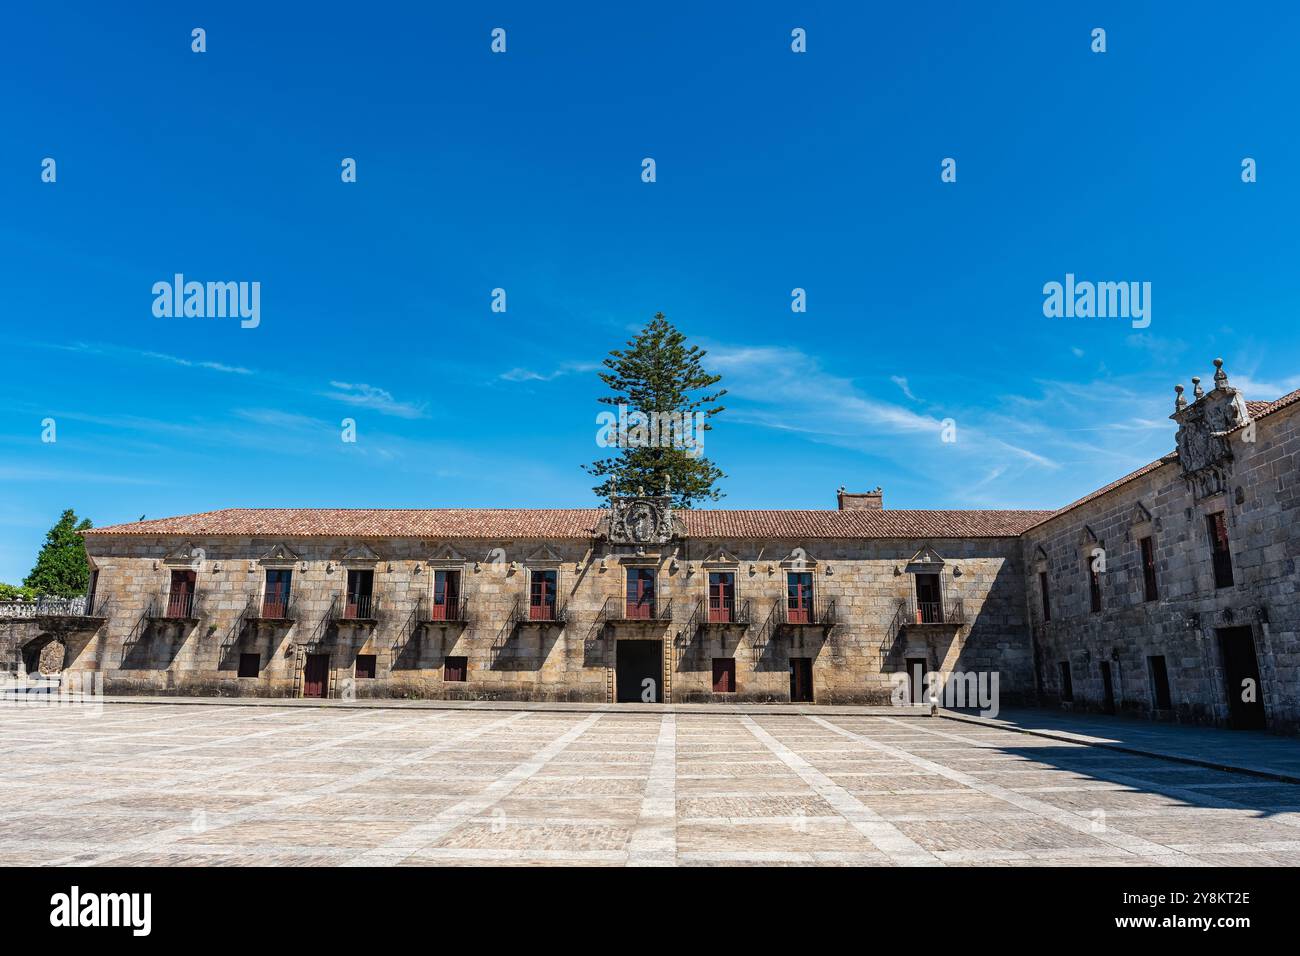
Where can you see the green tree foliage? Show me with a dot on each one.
(16, 592)
(659, 373)
(61, 569)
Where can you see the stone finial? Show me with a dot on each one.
(1197, 391)
(1220, 376)
(1179, 402)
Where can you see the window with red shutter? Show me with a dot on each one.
(456, 669)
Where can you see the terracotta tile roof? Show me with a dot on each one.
(1260, 409)
(502, 523)
(858, 523)
(374, 522)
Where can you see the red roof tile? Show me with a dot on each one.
(503, 523)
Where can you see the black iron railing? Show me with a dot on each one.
(359, 607)
(913, 612)
(180, 604)
(618, 609)
(277, 606)
(525, 612)
(817, 612)
(452, 609)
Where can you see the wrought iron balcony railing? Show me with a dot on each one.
(819, 612)
(621, 610)
(180, 604)
(452, 609)
(358, 607)
(276, 606)
(524, 612)
(726, 610)
(913, 612)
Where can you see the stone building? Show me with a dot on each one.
(1156, 595)
(1172, 591)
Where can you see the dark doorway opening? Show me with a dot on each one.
(1159, 671)
(1107, 688)
(917, 667)
(1067, 684)
(1241, 679)
(316, 675)
(929, 599)
(801, 683)
(638, 669)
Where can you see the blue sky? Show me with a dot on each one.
(522, 171)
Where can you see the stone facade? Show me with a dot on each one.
(509, 658)
(1242, 468)
(890, 590)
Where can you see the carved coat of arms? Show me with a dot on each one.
(641, 519)
(1204, 447)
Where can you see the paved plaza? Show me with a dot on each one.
(213, 784)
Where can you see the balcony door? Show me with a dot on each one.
(541, 597)
(799, 597)
(722, 597)
(446, 595)
(275, 602)
(360, 594)
(640, 593)
(929, 599)
(180, 599)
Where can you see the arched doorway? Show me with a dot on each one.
(43, 656)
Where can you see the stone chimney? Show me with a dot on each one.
(861, 500)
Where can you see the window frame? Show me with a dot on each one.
(1216, 526)
(1147, 556)
(257, 670)
(461, 667)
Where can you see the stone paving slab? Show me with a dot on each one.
(576, 707)
(157, 784)
(1251, 752)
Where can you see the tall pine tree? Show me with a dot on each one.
(659, 373)
(61, 569)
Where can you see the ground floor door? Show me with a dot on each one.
(1107, 688)
(1241, 678)
(316, 675)
(801, 685)
(916, 670)
(639, 672)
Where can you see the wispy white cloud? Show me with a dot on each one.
(375, 398)
(786, 389)
(901, 382)
(530, 375)
(89, 348)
